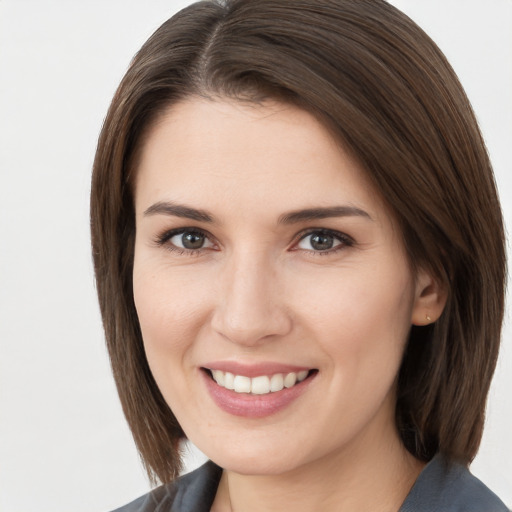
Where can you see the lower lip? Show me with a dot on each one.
(254, 406)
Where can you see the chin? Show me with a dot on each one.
(257, 465)
(257, 456)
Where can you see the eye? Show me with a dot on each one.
(189, 240)
(185, 240)
(323, 240)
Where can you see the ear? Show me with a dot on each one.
(430, 299)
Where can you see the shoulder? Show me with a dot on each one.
(448, 487)
(193, 491)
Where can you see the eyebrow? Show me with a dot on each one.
(178, 210)
(308, 214)
(322, 213)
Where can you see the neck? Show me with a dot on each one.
(376, 480)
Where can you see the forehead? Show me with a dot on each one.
(227, 152)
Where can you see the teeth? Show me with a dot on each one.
(261, 385)
(218, 377)
(229, 379)
(276, 382)
(290, 380)
(242, 384)
(302, 375)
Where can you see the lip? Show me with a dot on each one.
(255, 406)
(253, 369)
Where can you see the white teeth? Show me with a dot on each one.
(218, 376)
(276, 382)
(260, 385)
(302, 375)
(228, 380)
(242, 384)
(290, 380)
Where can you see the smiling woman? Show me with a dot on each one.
(300, 261)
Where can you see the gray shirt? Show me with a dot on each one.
(441, 487)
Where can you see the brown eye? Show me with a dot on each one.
(190, 240)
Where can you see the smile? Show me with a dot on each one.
(260, 385)
(256, 390)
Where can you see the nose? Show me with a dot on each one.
(251, 306)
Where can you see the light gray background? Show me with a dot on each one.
(64, 445)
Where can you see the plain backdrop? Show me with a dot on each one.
(64, 444)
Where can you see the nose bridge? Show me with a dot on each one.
(250, 307)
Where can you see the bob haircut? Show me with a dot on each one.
(389, 96)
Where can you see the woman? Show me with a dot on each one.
(300, 261)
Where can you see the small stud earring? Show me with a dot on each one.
(428, 318)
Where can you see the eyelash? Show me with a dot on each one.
(345, 241)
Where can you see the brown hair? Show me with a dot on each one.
(391, 98)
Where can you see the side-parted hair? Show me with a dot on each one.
(388, 94)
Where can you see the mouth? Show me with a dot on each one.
(259, 385)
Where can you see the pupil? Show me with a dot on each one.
(321, 242)
(192, 240)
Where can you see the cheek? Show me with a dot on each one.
(170, 307)
(360, 317)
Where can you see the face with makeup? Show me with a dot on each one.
(272, 287)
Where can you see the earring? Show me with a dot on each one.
(428, 319)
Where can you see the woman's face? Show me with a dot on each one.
(263, 257)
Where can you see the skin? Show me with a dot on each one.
(259, 291)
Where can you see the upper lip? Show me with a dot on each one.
(254, 369)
